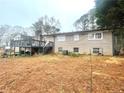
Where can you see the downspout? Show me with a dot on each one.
(113, 50)
(54, 43)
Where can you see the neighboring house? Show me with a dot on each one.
(83, 42)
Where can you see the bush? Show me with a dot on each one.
(65, 52)
(73, 54)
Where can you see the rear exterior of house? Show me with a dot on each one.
(83, 42)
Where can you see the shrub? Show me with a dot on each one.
(74, 54)
(65, 52)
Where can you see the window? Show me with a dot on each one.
(60, 49)
(95, 36)
(76, 37)
(91, 36)
(98, 35)
(76, 49)
(96, 50)
(61, 38)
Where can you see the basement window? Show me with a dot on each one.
(76, 49)
(96, 50)
(60, 49)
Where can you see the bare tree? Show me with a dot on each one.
(86, 21)
(46, 25)
(82, 23)
(3, 30)
(7, 32)
(92, 19)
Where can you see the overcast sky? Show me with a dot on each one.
(26, 12)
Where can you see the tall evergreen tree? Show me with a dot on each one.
(110, 13)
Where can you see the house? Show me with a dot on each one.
(96, 42)
(83, 42)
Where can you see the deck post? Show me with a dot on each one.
(25, 51)
(19, 51)
(14, 50)
(30, 51)
(54, 44)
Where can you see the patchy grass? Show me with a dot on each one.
(61, 74)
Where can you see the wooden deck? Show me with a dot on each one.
(32, 46)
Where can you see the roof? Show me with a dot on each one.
(77, 32)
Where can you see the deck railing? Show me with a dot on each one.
(29, 43)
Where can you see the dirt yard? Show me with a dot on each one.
(62, 74)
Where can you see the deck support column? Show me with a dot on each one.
(14, 50)
(25, 51)
(19, 51)
(30, 51)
